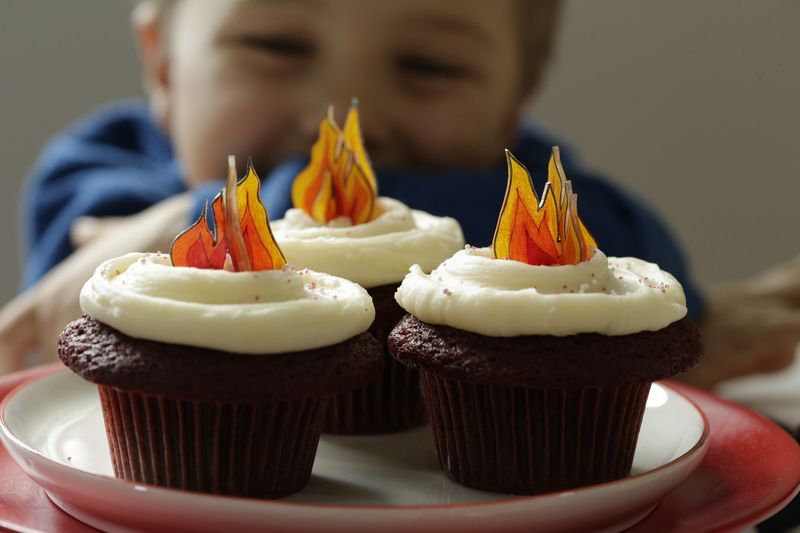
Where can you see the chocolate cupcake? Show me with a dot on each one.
(218, 381)
(534, 413)
(536, 376)
(350, 232)
(215, 364)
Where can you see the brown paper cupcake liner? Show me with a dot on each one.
(393, 402)
(525, 441)
(254, 450)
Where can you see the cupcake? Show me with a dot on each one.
(340, 226)
(214, 365)
(537, 353)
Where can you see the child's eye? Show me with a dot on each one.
(279, 45)
(431, 68)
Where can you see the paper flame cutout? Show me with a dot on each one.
(546, 232)
(339, 180)
(241, 230)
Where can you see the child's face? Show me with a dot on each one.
(439, 83)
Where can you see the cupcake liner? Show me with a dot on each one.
(263, 450)
(393, 402)
(525, 441)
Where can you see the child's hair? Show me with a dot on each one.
(538, 21)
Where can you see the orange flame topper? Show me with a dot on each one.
(338, 180)
(546, 232)
(241, 230)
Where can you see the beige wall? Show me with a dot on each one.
(58, 60)
(694, 105)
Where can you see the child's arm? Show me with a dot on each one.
(33, 320)
(114, 167)
(113, 163)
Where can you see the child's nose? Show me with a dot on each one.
(373, 129)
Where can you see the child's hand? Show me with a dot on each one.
(17, 331)
(33, 320)
(751, 326)
(86, 229)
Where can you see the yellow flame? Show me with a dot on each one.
(339, 180)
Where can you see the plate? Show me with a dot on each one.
(53, 429)
(751, 471)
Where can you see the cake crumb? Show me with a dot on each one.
(447, 291)
(258, 298)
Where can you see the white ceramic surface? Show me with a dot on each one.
(53, 429)
(776, 395)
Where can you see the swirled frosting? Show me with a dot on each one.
(502, 298)
(371, 254)
(269, 311)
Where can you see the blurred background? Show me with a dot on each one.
(692, 105)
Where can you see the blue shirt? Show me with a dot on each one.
(117, 162)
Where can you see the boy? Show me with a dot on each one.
(441, 85)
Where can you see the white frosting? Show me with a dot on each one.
(270, 311)
(502, 298)
(371, 254)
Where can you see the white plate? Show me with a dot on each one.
(53, 429)
(776, 395)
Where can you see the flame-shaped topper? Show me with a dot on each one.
(339, 180)
(241, 230)
(541, 232)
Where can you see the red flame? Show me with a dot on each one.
(248, 240)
